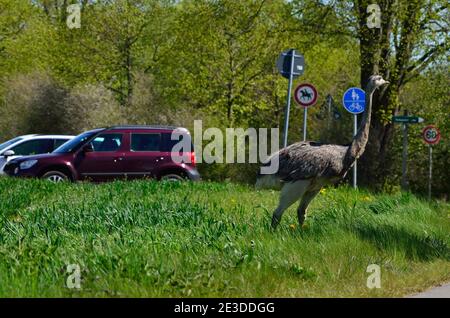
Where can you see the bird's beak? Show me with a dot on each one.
(386, 82)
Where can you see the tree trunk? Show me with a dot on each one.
(375, 55)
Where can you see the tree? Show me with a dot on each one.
(427, 96)
(12, 24)
(225, 53)
(33, 103)
(411, 36)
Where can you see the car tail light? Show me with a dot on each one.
(193, 158)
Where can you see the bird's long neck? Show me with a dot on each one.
(359, 141)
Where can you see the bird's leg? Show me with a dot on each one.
(276, 217)
(303, 207)
(290, 193)
(301, 212)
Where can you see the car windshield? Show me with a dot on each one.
(10, 142)
(75, 143)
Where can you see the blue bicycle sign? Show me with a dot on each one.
(354, 100)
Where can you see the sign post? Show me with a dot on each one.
(430, 170)
(305, 95)
(354, 101)
(431, 136)
(405, 157)
(405, 120)
(290, 65)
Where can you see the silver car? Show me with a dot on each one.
(29, 145)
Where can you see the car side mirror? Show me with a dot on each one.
(9, 153)
(88, 148)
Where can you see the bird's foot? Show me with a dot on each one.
(301, 220)
(275, 222)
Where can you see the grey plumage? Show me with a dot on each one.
(305, 167)
(306, 160)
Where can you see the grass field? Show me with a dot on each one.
(149, 239)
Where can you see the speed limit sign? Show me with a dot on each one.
(431, 135)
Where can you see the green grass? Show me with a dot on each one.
(150, 239)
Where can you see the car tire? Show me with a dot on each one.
(55, 176)
(173, 177)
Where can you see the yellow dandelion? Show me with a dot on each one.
(322, 191)
(293, 226)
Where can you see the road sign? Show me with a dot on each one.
(431, 135)
(284, 64)
(407, 119)
(305, 95)
(354, 100)
(290, 65)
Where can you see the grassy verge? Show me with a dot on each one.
(149, 239)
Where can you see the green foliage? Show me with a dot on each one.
(170, 62)
(427, 97)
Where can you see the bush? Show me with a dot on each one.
(91, 106)
(33, 103)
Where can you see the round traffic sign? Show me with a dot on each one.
(431, 135)
(354, 100)
(305, 95)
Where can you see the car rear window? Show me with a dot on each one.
(145, 142)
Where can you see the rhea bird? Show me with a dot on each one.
(304, 168)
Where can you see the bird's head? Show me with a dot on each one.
(376, 81)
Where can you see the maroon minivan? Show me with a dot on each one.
(119, 152)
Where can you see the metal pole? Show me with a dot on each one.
(430, 172)
(329, 113)
(355, 131)
(288, 102)
(405, 157)
(305, 117)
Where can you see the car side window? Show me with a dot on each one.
(59, 142)
(34, 147)
(107, 142)
(145, 142)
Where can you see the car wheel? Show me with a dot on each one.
(55, 176)
(172, 177)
